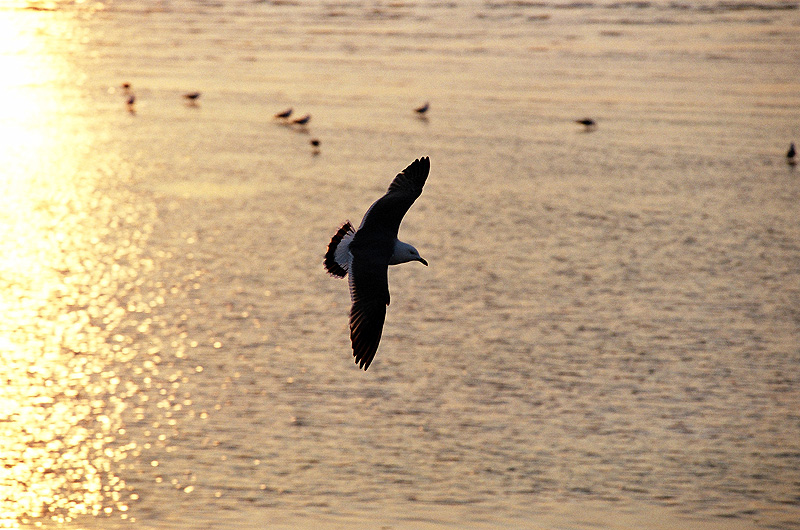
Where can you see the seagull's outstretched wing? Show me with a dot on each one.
(385, 214)
(369, 289)
(372, 247)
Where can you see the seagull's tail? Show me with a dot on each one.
(338, 257)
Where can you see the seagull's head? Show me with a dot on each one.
(403, 253)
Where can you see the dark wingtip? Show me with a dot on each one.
(366, 328)
(364, 359)
(365, 345)
(424, 164)
(413, 177)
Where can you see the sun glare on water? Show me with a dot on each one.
(61, 395)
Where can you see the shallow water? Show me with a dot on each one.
(606, 337)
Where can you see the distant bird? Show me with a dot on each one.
(303, 121)
(423, 109)
(285, 114)
(314, 145)
(130, 102)
(126, 87)
(365, 254)
(790, 154)
(588, 123)
(192, 97)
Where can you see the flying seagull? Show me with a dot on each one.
(365, 254)
(423, 109)
(285, 114)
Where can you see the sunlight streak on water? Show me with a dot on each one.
(67, 251)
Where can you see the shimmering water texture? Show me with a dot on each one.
(607, 336)
(70, 272)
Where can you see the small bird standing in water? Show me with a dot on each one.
(191, 98)
(285, 114)
(790, 155)
(302, 121)
(130, 97)
(130, 102)
(588, 123)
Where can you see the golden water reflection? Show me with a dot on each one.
(70, 259)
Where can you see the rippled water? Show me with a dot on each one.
(606, 337)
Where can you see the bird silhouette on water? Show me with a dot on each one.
(130, 97)
(191, 98)
(365, 255)
(131, 103)
(302, 121)
(790, 155)
(588, 123)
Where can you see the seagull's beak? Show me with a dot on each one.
(422, 260)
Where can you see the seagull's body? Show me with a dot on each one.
(364, 255)
(790, 154)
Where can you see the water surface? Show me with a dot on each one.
(607, 335)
